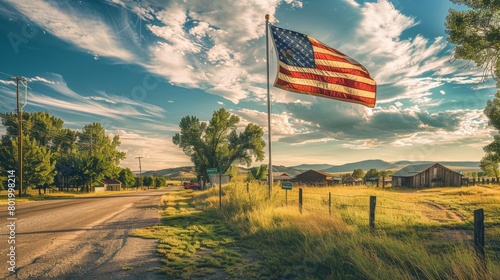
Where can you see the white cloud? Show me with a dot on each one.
(158, 151)
(104, 105)
(282, 125)
(84, 30)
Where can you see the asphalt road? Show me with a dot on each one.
(82, 238)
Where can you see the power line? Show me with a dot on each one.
(20, 133)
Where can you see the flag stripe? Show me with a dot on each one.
(327, 55)
(324, 85)
(331, 72)
(337, 64)
(332, 51)
(349, 71)
(320, 92)
(329, 79)
(305, 65)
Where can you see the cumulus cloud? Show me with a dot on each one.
(158, 151)
(392, 125)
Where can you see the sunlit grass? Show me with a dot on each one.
(420, 234)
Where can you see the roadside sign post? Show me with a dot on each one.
(286, 185)
(211, 172)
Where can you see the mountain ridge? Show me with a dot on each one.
(188, 171)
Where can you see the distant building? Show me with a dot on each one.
(281, 176)
(426, 175)
(110, 185)
(351, 181)
(314, 177)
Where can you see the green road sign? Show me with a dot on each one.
(286, 185)
(211, 171)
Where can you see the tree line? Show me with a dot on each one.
(54, 155)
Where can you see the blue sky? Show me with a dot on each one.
(139, 68)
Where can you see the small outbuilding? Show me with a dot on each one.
(281, 176)
(111, 184)
(426, 175)
(314, 177)
(351, 181)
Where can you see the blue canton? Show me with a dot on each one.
(293, 48)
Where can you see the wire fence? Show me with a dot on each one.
(451, 221)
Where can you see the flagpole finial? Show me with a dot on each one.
(267, 17)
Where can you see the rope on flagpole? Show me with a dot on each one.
(270, 167)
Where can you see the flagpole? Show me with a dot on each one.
(270, 167)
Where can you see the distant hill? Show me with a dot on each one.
(365, 165)
(176, 172)
(290, 170)
(464, 166)
(306, 167)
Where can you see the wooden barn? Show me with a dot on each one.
(351, 181)
(426, 175)
(314, 177)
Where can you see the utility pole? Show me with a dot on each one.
(20, 134)
(140, 170)
(91, 143)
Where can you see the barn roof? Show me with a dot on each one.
(110, 181)
(412, 170)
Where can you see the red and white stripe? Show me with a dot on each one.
(336, 76)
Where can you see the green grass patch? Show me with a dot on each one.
(420, 234)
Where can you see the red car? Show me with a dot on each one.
(192, 186)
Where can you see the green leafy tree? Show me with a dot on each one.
(489, 165)
(258, 173)
(148, 181)
(160, 181)
(218, 144)
(372, 173)
(126, 176)
(358, 173)
(93, 140)
(39, 168)
(476, 33)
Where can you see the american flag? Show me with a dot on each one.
(305, 65)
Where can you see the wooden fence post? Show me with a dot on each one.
(300, 200)
(329, 203)
(373, 202)
(479, 231)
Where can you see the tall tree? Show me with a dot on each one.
(92, 140)
(148, 181)
(218, 144)
(372, 173)
(476, 34)
(39, 168)
(160, 181)
(489, 165)
(358, 173)
(127, 177)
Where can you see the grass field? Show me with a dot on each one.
(423, 234)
